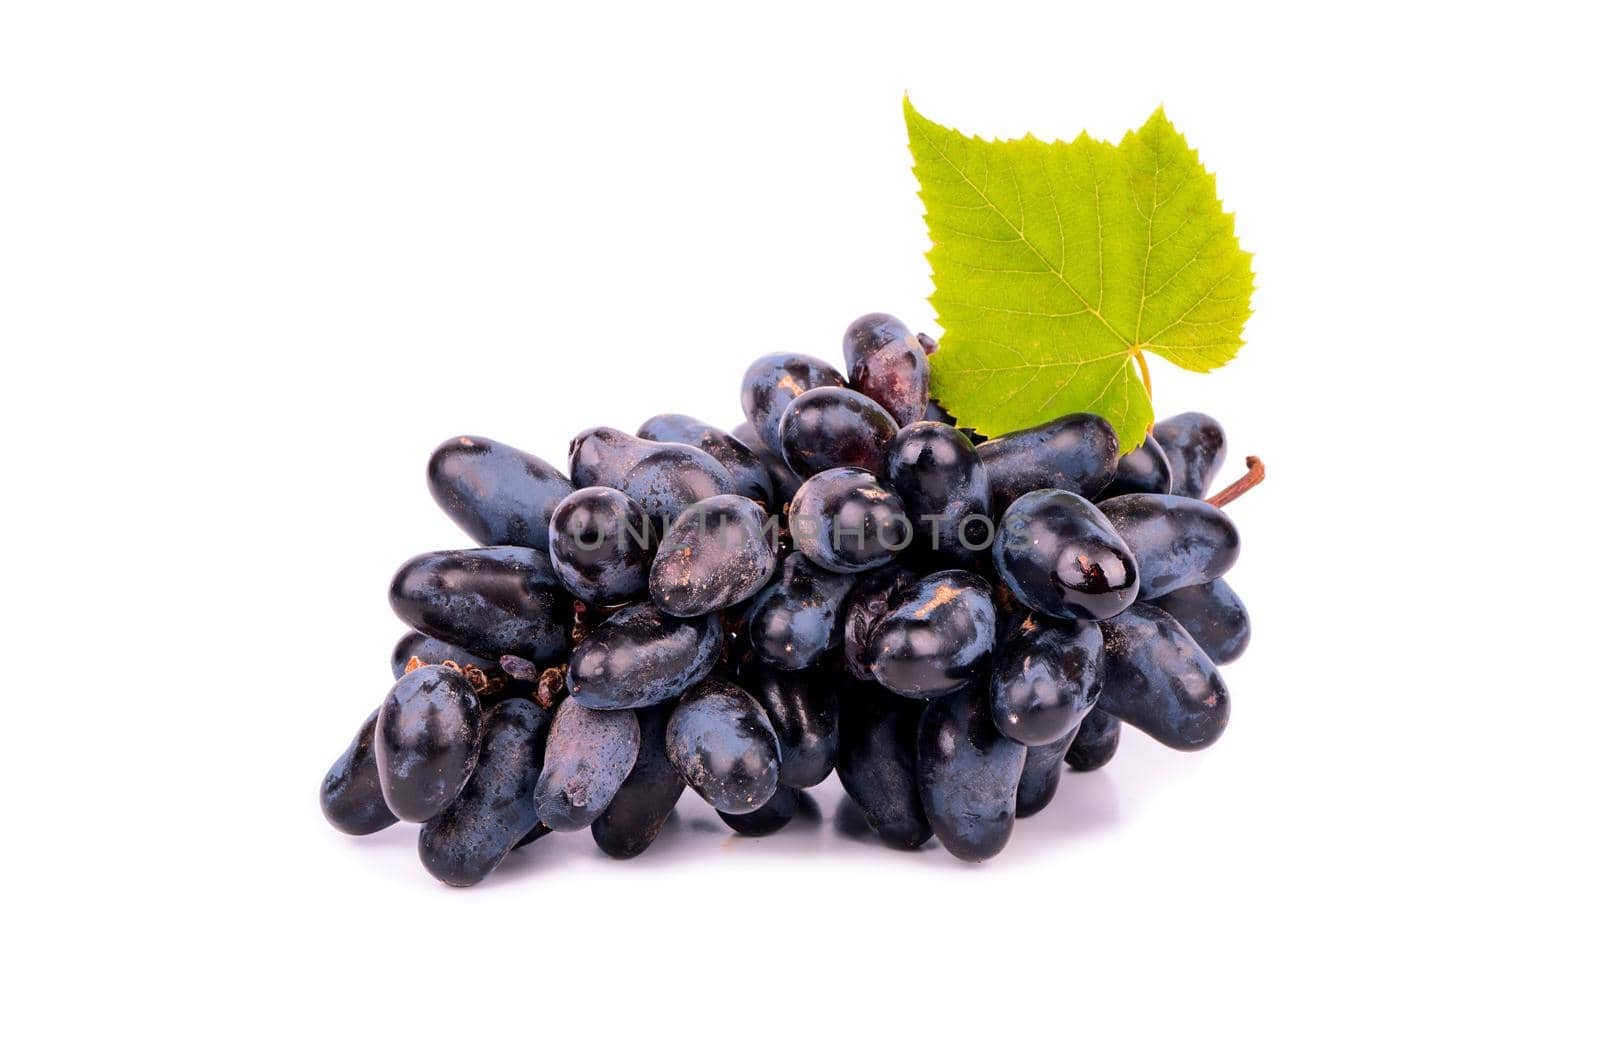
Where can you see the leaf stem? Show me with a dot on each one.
(1144, 372)
(1256, 471)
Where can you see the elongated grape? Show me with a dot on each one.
(873, 596)
(887, 363)
(661, 477)
(645, 800)
(504, 600)
(496, 809)
(1047, 674)
(717, 553)
(1176, 541)
(1196, 446)
(804, 712)
(639, 657)
(937, 638)
(967, 775)
(797, 617)
(772, 383)
(844, 520)
(1041, 775)
(785, 482)
(1160, 682)
(771, 817)
(1060, 556)
(1142, 471)
(431, 651)
(1077, 453)
(945, 486)
(601, 545)
(877, 764)
(724, 747)
(352, 795)
(1213, 615)
(826, 428)
(497, 494)
(870, 332)
(586, 758)
(750, 477)
(426, 741)
(1096, 741)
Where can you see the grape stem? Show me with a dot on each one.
(1256, 471)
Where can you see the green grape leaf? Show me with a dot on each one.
(1058, 266)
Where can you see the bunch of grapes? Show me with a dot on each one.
(847, 582)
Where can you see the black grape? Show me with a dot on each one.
(1077, 453)
(750, 477)
(1195, 445)
(771, 817)
(797, 618)
(1213, 615)
(431, 652)
(496, 809)
(1160, 682)
(887, 364)
(601, 545)
(586, 758)
(645, 800)
(724, 747)
(1047, 675)
(784, 480)
(716, 554)
(826, 428)
(497, 494)
(1041, 775)
(967, 774)
(877, 765)
(352, 796)
(870, 332)
(936, 638)
(772, 382)
(426, 740)
(804, 712)
(1176, 541)
(872, 596)
(661, 477)
(1096, 741)
(844, 520)
(938, 475)
(504, 600)
(1060, 556)
(639, 656)
(1142, 471)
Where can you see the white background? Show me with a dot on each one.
(256, 260)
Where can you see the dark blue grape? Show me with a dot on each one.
(797, 618)
(1076, 453)
(504, 600)
(1176, 541)
(1041, 775)
(826, 428)
(1059, 555)
(586, 758)
(804, 712)
(873, 596)
(496, 809)
(784, 480)
(717, 553)
(1142, 471)
(967, 774)
(1096, 741)
(750, 477)
(724, 747)
(887, 364)
(1195, 445)
(645, 800)
(1214, 617)
(1047, 674)
(601, 545)
(936, 471)
(873, 331)
(877, 765)
(662, 477)
(430, 651)
(772, 383)
(1160, 682)
(770, 818)
(426, 741)
(844, 520)
(937, 637)
(640, 657)
(352, 795)
(497, 494)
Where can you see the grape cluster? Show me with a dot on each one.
(847, 582)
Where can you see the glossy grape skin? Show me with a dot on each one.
(646, 799)
(887, 363)
(1213, 615)
(601, 546)
(1142, 471)
(495, 493)
(1160, 682)
(803, 710)
(750, 477)
(870, 332)
(496, 810)
(771, 817)
(784, 480)
(1076, 452)
(661, 477)
(1176, 541)
(723, 746)
(826, 428)
(586, 758)
(1047, 674)
(844, 520)
(872, 596)
(772, 382)
(1195, 446)
(717, 553)
(937, 637)
(1096, 741)
(877, 765)
(431, 651)
(426, 741)
(1041, 775)
(937, 473)
(352, 796)
(1059, 556)
(967, 775)
(639, 657)
(503, 600)
(797, 617)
